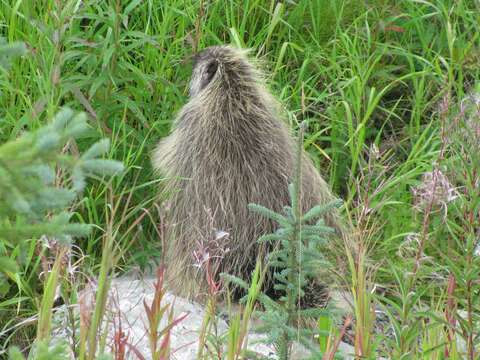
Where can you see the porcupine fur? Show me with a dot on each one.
(229, 147)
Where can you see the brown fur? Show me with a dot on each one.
(229, 147)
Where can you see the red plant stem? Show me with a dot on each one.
(330, 354)
(450, 314)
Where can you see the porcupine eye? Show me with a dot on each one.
(210, 71)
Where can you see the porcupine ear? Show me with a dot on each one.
(210, 71)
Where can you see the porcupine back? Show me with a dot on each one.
(229, 147)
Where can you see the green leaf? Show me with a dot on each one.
(47, 141)
(102, 167)
(78, 179)
(10, 51)
(132, 5)
(270, 214)
(43, 171)
(4, 290)
(77, 127)
(8, 265)
(15, 354)
(97, 149)
(18, 203)
(324, 325)
(52, 198)
(44, 351)
(319, 210)
(78, 230)
(104, 356)
(270, 238)
(234, 280)
(62, 119)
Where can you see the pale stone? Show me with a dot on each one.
(126, 303)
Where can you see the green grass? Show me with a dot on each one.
(370, 78)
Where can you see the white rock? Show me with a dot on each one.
(126, 302)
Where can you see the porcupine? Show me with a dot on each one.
(229, 147)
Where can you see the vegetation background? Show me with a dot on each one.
(391, 94)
